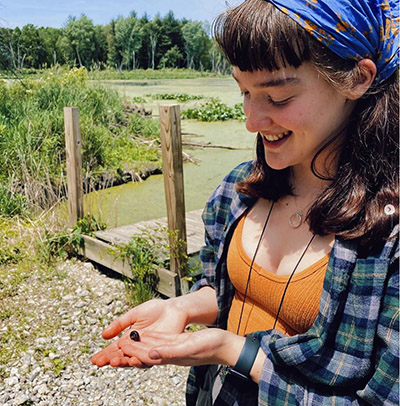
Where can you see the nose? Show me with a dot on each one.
(257, 116)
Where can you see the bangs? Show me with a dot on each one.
(255, 35)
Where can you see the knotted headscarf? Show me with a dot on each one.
(353, 29)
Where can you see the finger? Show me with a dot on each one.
(119, 325)
(134, 362)
(140, 352)
(123, 361)
(100, 360)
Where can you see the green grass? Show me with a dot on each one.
(114, 74)
(181, 97)
(32, 140)
(142, 74)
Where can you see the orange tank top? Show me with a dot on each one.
(301, 303)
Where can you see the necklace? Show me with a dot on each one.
(296, 219)
(251, 268)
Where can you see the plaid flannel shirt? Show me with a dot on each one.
(350, 356)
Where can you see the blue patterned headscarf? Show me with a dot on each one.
(353, 29)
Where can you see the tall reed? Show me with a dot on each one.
(32, 146)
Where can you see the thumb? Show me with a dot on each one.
(167, 352)
(154, 355)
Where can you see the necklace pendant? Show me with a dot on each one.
(296, 219)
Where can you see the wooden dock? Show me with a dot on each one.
(101, 248)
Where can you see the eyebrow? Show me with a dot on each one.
(275, 82)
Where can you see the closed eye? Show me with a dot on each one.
(279, 103)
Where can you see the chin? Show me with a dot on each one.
(277, 166)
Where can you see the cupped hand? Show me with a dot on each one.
(113, 356)
(208, 346)
(156, 314)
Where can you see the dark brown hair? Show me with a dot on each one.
(254, 36)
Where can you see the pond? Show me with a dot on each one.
(133, 202)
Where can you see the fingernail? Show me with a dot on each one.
(154, 355)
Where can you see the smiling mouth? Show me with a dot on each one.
(276, 137)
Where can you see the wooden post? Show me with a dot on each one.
(171, 142)
(74, 164)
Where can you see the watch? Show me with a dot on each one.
(246, 359)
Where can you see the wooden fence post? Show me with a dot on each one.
(171, 143)
(73, 146)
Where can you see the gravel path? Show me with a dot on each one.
(63, 315)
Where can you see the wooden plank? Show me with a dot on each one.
(123, 234)
(102, 253)
(171, 145)
(73, 150)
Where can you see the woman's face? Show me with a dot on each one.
(295, 111)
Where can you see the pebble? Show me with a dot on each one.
(56, 369)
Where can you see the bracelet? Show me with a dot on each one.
(246, 359)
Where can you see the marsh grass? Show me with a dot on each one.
(180, 97)
(32, 140)
(149, 74)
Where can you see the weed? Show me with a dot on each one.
(85, 349)
(142, 254)
(145, 253)
(215, 110)
(138, 99)
(59, 365)
(181, 97)
(67, 243)
(12, 203)
(149, 74)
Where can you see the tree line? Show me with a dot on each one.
(126, 43)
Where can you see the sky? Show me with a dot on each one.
(54, 13)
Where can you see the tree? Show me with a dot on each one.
(218, 61)
(197, 45)
(151, 32)
(29, 43)
(64, 50)
(128, 35)
(48, 45)
(170, 38)
(111, 43)
(17, 57)
(100, 51)
(172, 58)
(81, 35)
(6, 35)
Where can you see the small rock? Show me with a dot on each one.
(176, 380)
(11, 381)
(42, 389)
(21, 399)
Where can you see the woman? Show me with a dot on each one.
(300, 253)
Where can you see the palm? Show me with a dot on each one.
(180, 349)
(155, 315)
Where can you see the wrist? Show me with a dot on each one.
(257, 367)
(178, 306)
(233, 348)
(198, 307)
(229, 351)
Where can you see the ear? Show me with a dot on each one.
(366, 72)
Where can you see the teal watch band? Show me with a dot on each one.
(246, 359)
